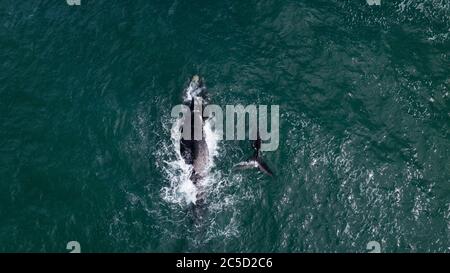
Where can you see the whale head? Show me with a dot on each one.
(195, 89)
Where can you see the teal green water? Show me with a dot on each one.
(85, 142)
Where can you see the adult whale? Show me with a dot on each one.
(194, 150)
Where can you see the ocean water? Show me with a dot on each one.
(88, 153)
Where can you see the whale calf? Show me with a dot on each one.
(256, 160)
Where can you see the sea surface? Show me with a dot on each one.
(88, 153)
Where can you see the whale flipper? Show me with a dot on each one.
(254, 163)
(246, 165)
(263, 167)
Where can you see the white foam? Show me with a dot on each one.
(191, 91)
(181, 189)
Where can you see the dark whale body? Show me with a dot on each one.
(195, 151)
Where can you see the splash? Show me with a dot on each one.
(181, 190)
